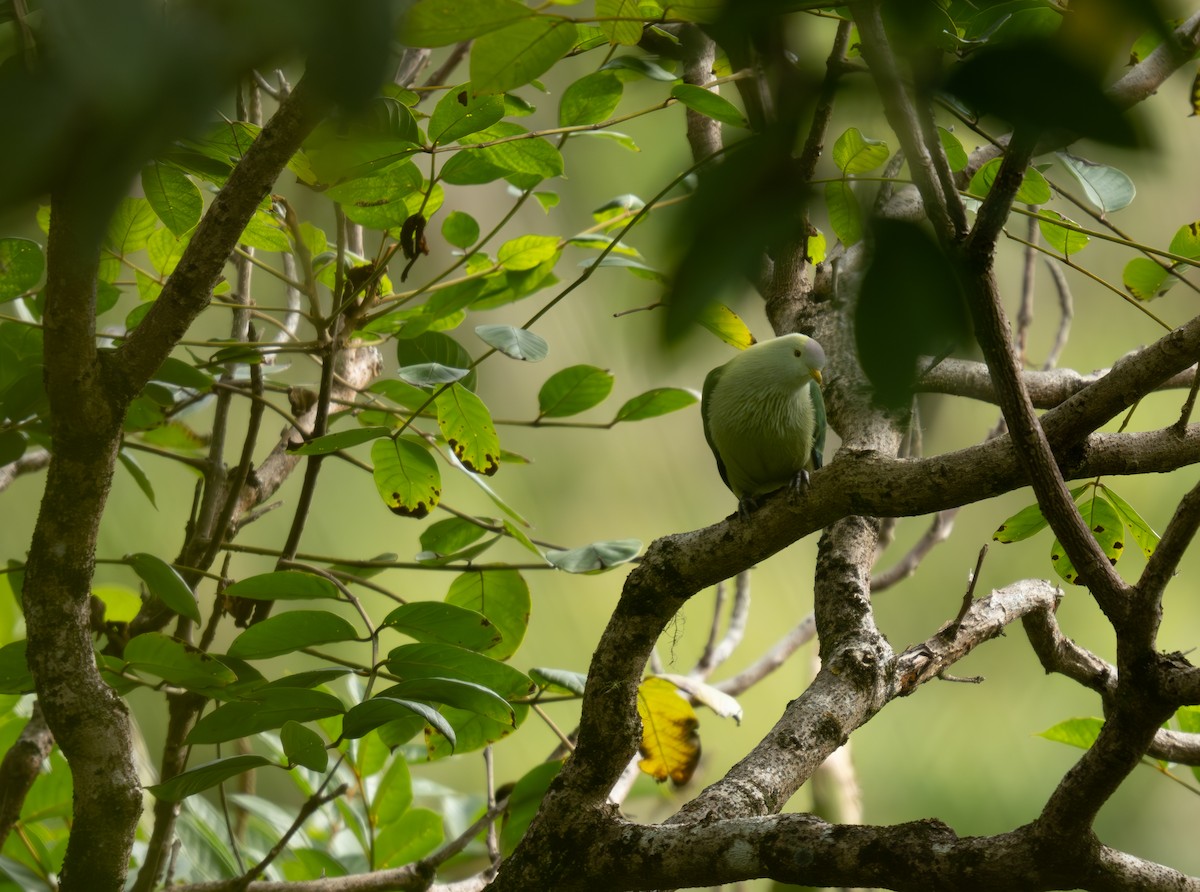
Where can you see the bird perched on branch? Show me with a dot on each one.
(764, 417)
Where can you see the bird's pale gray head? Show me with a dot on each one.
(800, 355)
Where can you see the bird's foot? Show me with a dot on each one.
(747, 505)
(798, 488)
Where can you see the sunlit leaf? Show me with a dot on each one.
(1080, 732)
(845, 215)
(726, 325)
(1065, 241)
(855, 153)
(620, 20)
(670, 743)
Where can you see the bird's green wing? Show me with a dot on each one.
(710, 384)
(818, 447)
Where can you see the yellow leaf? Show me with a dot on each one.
(670, 744)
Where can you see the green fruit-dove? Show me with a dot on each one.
(764, 417)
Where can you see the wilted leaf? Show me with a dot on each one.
(670, 743)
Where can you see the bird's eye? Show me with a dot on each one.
(797, 353)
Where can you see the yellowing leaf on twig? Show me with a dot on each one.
(670, 745)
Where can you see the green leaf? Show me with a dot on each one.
(435, 347)
(284, 585)
(726, 325)
(183, 374)
(560, 679)
(21, 266)
(394, 794)
(1065, 241)
(406, 477)
(271, 708)
(693, 10)
(173, 197)
(165, 584)
(1143, 534)
(430, 375)
(514, 55)
(416, 833)
(1080, 732)
(710, 104)
(204, 776)
(472, 731)
(1145, 279)
(515, 343)
(1028, 521)
(456, 692)
(15, 677)
(524, 802)
(177, 663)
(1104, 522)
(442, 623)
(1106, 187)
(521, 154)
(1034, 188)
(591, 99)
(131, 226)
(130, 463)
(289, 632)
(597, 557)
(573, 390)
(467, 426)
(412, 661)
(442, 22)
(500, 595)
(460, 113)
(640, 66)
(460, 229)
(341, 440)
(845, 216)
(527, 251)
(855, 153)
(956, 155)
(620, 20)
(378, 711)
(266, 232)
(449, 535)
(655, 402)
(303, 746)
(1186, 241)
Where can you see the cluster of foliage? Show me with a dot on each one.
(190, 229)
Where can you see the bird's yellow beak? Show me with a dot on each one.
(816, 373)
